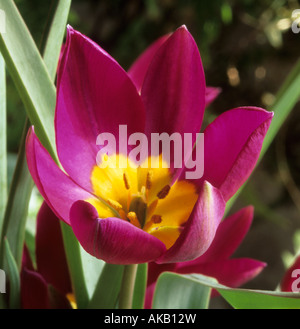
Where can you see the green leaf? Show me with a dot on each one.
(55, 37)
(17, 205)
(286, 98)
(3, 151)
(175, 291)
(14, 278)
(140, 287)
(247, 298)
(30, 75)
(72, 249)
(108, 287)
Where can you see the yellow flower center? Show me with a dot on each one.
(143, 196)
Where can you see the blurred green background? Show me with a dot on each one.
(248, 49)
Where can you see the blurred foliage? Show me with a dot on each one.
(236, 39)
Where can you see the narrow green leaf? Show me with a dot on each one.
(3, 151)
(108, 287)
(92, 268)
(286, 98)
(17, 205)
(175, 291)
(30, 74)
(140, 287)
(247, 298)
(14, 278)
(72, 250)
(55, 36)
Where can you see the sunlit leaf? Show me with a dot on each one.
(175, 291)
(14, 278)
(108, 287)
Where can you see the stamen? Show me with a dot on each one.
(152, 207)
(149, 179)
(164, 192)
(133, 219)
(122, 214)
(156, 219)
(126, 181)
(115, 204)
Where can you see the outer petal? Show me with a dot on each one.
(211, 93)
(232, 144)
(229, 235)
(58, 190)
(34, 290)
(50, 254)
(289, 279)
(95, 95)
(174, 87)
(139, 68)
(200, 229)
(113, 240)
(230, 272)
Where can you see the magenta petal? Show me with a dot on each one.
(232, 144)
(95, 95)
(174, 87)
(34, 290)
(230, 272)
(200, 229)
(211, 93)
(50, 254)
(113, 240)
(58, 190)
(139, 68)
(229, 235)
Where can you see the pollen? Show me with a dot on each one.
(132, 217)
(164, 192)
(156, 219)
(114, 204)
(126, 181)
(149, 179)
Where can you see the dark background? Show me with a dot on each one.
(248, 49)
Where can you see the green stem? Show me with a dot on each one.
(127, 286)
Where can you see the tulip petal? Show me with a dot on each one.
(211, 93)
(113, 240)
(95, 95)
(50, 254)
(174, 87)
(232, 144)
(230, 272)
(139, 68)
(229, 235)
(58, 190)
(34, 290)
(200, 228)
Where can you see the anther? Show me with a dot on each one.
(114, 204)
(156, 219)
(132, 217)
(164, 192)
(126, 181)
(149, 179)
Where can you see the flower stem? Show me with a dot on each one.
(127, 286)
